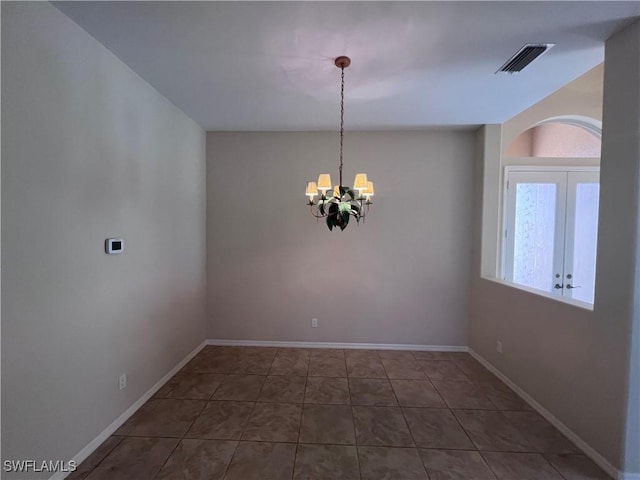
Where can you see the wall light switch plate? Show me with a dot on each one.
(122, 381)
(499, 346)
(314, 323)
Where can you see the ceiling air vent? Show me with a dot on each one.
(524, 57)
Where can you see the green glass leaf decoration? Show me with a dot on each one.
(345, 220)
(344, 207)
(330, 222)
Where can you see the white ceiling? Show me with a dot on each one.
(269, 65)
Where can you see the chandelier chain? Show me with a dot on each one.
(341, 120)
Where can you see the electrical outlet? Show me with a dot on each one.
(122, 381)
(499, 346)
(314, 323)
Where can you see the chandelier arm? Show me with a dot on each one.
(315, 214)
(363, 211)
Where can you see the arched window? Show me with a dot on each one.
(555, 140)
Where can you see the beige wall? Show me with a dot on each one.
(90, 151)
(618, 278)
(402, 277)
(573, 361)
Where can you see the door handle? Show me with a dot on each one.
(569, 286)
(558, 286)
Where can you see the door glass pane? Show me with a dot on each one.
(585, 241)
(535, 217)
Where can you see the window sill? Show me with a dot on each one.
(540, 293)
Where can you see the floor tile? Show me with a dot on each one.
(274, 422)
(442, 370)
(383, 426)
(256, 365)
(523, 466)
(455, 465)
(371, 391)
(161, 417)
(417, 393)
(327, 367)
(139, 458)
(504, 399)
(474, 369)
(327, 353)
(361, 353)
(463, 394)
(262, 461)
(326, 462)
(332, 414)
(280, 389)
(95, 458)
(196, 386)
(387, 463)
(488, 379)
(401, 368)
(323, 390)
(239, 387)
(576, 467)
(436, 428)
(198, 460)
(221, 420)
(293, 353)
(211, 362)
(395, 355)
(290, 365)
(365, 367)
(327, 424)
(492, 431)
(258, 351)
(540, 433)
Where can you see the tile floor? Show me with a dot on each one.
(245, 413)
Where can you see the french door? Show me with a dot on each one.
(551, 227)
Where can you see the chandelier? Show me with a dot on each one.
(343, 202)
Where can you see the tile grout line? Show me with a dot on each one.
(166, 460)
(295, 453)
(105, 456)
(353, 423)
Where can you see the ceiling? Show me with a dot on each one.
(269, 65)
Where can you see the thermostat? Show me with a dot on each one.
(113, 246)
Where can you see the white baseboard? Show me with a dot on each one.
(117, 423)
(366, 346)
(566, 431)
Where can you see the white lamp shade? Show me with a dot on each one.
(360, 183)
(369, 190)
(324, 182)
(312, 189)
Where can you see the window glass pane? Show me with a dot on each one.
(534, 235)
(586, 236)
